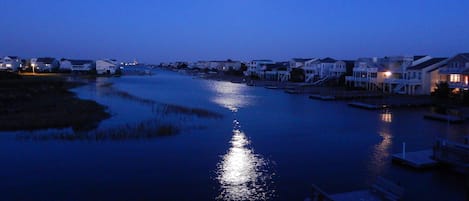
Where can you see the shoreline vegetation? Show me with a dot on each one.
(33, 103)
(162, 108)
(45, 102)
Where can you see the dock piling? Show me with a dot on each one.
(403, 150)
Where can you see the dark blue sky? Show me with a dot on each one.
(154, 31)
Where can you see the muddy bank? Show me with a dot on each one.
(43, 102)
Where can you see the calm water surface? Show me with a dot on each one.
(267, 146)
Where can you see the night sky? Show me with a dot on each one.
(161, 31)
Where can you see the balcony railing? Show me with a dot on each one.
(451, 70)
(458, 85)
(360, 79)
(402, 81)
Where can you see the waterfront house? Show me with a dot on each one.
(421, 78)
(106, 67)
(227, 65)
(275, 72)
(318, 70)
(44, 64)
(81, 66)
(10, 63)
(256, 67)
(65, 65)
(202, 64)
(386, 74)
(299, 63)
(456, 72)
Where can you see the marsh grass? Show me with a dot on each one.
(162, 108)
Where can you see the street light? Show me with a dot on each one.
(387, 74)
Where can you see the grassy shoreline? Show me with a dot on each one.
(45, 102)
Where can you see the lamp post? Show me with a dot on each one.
(34, 66)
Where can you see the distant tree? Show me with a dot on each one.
(243, 67)
(465, 97)
(297, 75)
(183, 65)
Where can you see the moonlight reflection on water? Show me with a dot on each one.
(242, 174)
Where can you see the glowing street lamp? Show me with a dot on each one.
(34, 66)
(387, 74)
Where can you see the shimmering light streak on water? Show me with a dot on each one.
(242, 174)
(230, 95)
(382, 150)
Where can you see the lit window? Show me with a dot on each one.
(455, 78)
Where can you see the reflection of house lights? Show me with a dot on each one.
(386, 117)
(387, 73)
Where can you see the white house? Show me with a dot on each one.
(386, 74)
(203, 64)
(65, 65)
(10, 63)
(106, 67)
(456, 72)
(44, 64)
(81, 66)
(275, 72)
(321, 69)
(421, 79)
(225, 65)
(255, 67)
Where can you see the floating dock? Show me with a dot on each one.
(366, 106)
(418, 159)
(381, 190)
(321, 97)
(444, 117)
(364, 195)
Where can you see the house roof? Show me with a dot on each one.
(301, 59)
(417, 57)
(328, 60)
(13, 57)
(464, 55)
(46, 60)
(426, 63)
(278, 65)
(80, 62)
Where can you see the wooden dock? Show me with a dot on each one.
(418, 159)
(444, 117)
